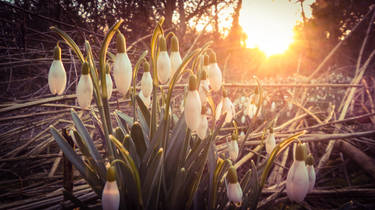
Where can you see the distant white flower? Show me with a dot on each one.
(214, 73)
(225, 106)
(85, 88)
(273, 106)
(250, 110)
(193, 106)
(57, 74)
(233, 149)
(297, 183)
(270, 142)
(146, 81)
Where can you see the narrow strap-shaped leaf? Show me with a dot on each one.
(89, 142)
(145, 112)
(138, 138)
(85, 172)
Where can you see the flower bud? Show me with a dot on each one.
(111, 193)
(234, 190)
(108, 80)
(57, 74)
(214, 72)
(310, 171)
(85, 88)
(164, 68)
(270, 142)
(146, 82)
(193, 106)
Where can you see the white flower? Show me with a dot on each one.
(146, 100)
(193, 106)
(111, 193)
(203, 126)
(163, 63)
(234, 190)
(250, 110)
(243, 119)
(233, 148)
(175, 55)
(57, 74)
(273, 106)
(297, 183)
(146, 81)
(270, 142)
(310, 171)
(122, 68)
(214, 73)
(225, 106)
(203, 88)
(84, 89)
(109, 84)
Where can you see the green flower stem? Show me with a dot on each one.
(135, 71)
(70, 42)
(276, 151)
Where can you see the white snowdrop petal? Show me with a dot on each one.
(270, 143)
(202, 128)
(146, 100)
(175, 61)
(233, 150)
(122, 72)
(218, 110)
(214, 76)
(297, 184)
(109, 84)
(57, 77)
(146, 84)
(203, 90)
(110, 196)
(164, 67)
(84, 91)
(193, 108)
(234, 192)
(312, 177)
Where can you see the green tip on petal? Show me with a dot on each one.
(192, 82)
(57, 52)
(111, 174)
(85, 68)
(174, 46)
(212, 57)
(146, 67)
(121, 43)
(300, 152)
(310, 160)
(206, 59)
(162, 43)
(107, 68)
(203, 75)
(232, 175)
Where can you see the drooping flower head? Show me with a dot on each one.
(203, 87)
(164, 68)
(193, 106)
(146, 82)
(57, 74)
(85, 88)
(108, 81)
(203, 124)
(214, 72)
(311, 171)
(297, 183)
(175, 55)
(225, 107)
(234, 190)
(122, 68)
(111, 193)
(233, 149)
(270, 141)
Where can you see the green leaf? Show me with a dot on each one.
(90, 143)
(145, 112)
(139, 139)
(85, 172)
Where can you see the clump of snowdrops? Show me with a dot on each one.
(148, 163)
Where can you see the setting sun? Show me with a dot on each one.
(269, 24)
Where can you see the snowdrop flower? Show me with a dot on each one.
(225, 106)
(234, 190)
(146, 100)
(175, 55)
(84, 88)
(57, 74)
(310, 171)
(163, 62)
(203, 124)
(205, 64)
(273, 106)
(109, 82)
(297, 183)
(122, 68)
(270, 141)
(193, 106)
(111, 193)
(250, 110)
(146, 81)
(203, 88)
(214, 72)
(243, 119)
(233, 147)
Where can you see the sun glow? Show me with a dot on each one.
(269, 24)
